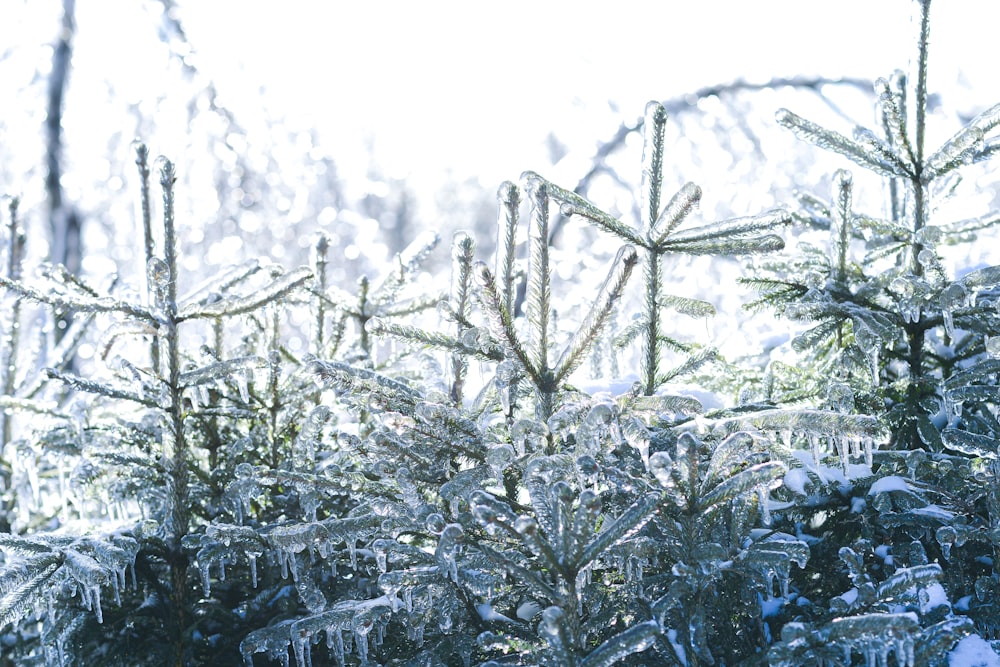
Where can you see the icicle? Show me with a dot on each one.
(506, 377)
(337, 637)
(408, 599)
(206, 584)
(949, 322)
(499, 458)
(814, 446)
(946, 537)
(764, 500)
(201, 395)
(283, 557)
(193, 394)
(952, 407)
(94, 592)
(243, 385)
(252, 557)
(952, 298)
(379, 547)
(868, 444)
(352, 551)
(448, 545)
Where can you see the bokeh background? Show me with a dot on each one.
(370, 121)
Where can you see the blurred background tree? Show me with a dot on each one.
(368, 123)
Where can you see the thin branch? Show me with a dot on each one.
(685, 103)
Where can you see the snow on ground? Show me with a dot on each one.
(973, 651)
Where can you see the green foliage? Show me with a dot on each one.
(275, 468)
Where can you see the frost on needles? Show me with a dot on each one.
(425, 481)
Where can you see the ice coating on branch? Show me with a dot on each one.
(600, 426)
(953, 297)
(243, 489)
(992, 344)
(637, 435)
(272, 640)
(661, 465)
(506, 379)
(447, 548)
(294, 539)
(89, 576)
(158, 276)
(408, 490)
(528, 436)
(499, 458)
(305, 443)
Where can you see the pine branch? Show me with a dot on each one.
(838, 143)
(675, 212)
(71, 302)
(622, 528)
(607, 297)
(406, 263)
(277, 289)
(500, 322)
(101, 388)
(380, 327)
(538, 298)
(571, 204)
(652, 165)
(21, 598)
(510, 199)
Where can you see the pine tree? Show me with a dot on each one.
(423, 478)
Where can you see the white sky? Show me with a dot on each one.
(475, 86)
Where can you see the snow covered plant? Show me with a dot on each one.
(439, 482)
(893, 333)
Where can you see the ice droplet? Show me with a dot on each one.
(840, 397)
(946, 537)
(435, 523)
(660, 466)
(993, 346)
(528, 436)
(499, 458)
